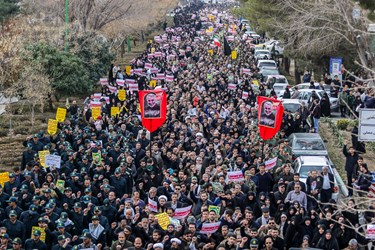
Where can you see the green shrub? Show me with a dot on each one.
(342, 124)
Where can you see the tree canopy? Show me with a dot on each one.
(313, 30)
(8, 8)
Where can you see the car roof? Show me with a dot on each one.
(314, 160)
(310, 90)
(296, 101)
(308, 84)
(278, 84)
(306, 135)
(263, 50)
(268, 67)
(259, 61)
(277, 77)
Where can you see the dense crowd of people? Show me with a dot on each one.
(114, 201)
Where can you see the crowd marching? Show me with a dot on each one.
(125, 188)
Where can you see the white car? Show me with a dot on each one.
(269, 45)
(278, 48)
(245, 21)
(266, 63)
(247, 27)
(266, 71)
(291, 105)
(306, 85)
(278, 87)
(250, 33)
(305, 94)
(276, 79)
(262, 54)
(305, 164)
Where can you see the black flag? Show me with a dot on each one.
(227, 49)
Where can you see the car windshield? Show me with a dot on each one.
(267, 72)
(278, 88)
(291, 107)
(268, 64)
(309, 144)
(281, 80)
(303, 86)
(304, 171)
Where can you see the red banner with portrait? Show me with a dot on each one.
(153, 104)
(270, 116)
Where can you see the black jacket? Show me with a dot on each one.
(351, 160)
(331, 244)
(16, 229)
(30, 244)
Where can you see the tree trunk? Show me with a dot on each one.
(32, 114)
(297, 75)
(123, 48)
(286, 63)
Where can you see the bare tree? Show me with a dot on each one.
(315, 26)
(96, 14)
(34, 86)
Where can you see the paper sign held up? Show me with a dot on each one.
(95, 112)
(121, 94)
(4, 177)
(52, 126)
(163, 220)
(42, 157)
(60, 114)
(53, 161)
(115, 111)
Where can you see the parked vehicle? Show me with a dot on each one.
(266, 71)
(291, 105)
(268, 45)
(307, 144)
(278, 87)
(305, 94)
(276, 45)
(305, 164)
(262, 54)
(327, 88)
(276, 79)
(267, 63)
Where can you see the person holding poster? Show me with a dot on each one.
(267, 117)
(151, 106)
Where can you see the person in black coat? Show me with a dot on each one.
(293, 232)
(265, 180)
(363, 182)
(15, 228)
(351, 161)
(35, 242)
(359, 146)
(328, 241)
(325, 105)
(343, 234)
(29, 218)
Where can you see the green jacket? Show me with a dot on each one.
(343, 98)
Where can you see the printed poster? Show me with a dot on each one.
(60, 114)
(163, 220)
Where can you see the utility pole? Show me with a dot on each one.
(66, 24)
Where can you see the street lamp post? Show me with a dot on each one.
(66, 24)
